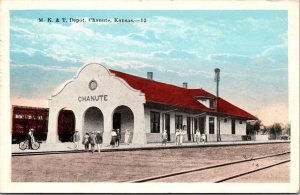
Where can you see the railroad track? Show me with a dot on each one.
(46, 152)
(25, 153)
(221, 172)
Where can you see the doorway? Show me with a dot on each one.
(123, 119)
(189, 128)
(66, 125)
(167, 126)
(202, 125)
(93, 120)
(117, 120)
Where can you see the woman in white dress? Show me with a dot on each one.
(181, 134)
(126, 136)
(177, 136)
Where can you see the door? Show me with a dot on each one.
(167, 126)
(66, 125)
(211, 125)
(189, 128)
(202, 125)
(232, 126)
(117, 121)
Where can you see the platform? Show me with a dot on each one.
(69, 146)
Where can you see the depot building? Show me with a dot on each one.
(100, 99)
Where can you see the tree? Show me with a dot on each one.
(287, 129)
(275, 130)
(253, 127)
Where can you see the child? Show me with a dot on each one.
(203, 138)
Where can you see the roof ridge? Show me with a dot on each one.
(149, 80)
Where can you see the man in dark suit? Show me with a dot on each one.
(118, 138)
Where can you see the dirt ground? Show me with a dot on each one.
(219, 173)
(124, 166)
(277, 174)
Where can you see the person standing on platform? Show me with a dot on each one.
(203, 138)
(118, 138)
(198, 136)
(113, 138)
(76, 139)
(126, 136)
(30, 138)
(181, 134)
(92, 140)
(177, 136)
(164, 137)
(99, 140)
(85, 142)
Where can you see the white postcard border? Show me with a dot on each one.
(5, 106)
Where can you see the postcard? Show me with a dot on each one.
(149, 97)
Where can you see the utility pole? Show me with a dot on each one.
(217, 80)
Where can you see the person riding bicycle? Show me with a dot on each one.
(30, 138)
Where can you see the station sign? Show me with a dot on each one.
(93, 98)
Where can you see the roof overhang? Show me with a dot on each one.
(197, 113)
(171, 108)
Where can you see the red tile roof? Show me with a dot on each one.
(177, 96)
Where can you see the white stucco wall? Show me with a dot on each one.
(225, 130)
(225, 127)
(240, 129)
(116, 91)
(156, 137)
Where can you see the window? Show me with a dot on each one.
(154, 122)
(232, 126)
(241, 122)
(178, 121)
(211, 103)
(225, 120)
(211, 125)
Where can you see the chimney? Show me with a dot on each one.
(185, 85)
(150, 75)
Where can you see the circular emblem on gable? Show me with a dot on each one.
(93, 85)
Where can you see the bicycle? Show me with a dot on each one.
(24, 145)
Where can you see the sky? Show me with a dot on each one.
(250, 48)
